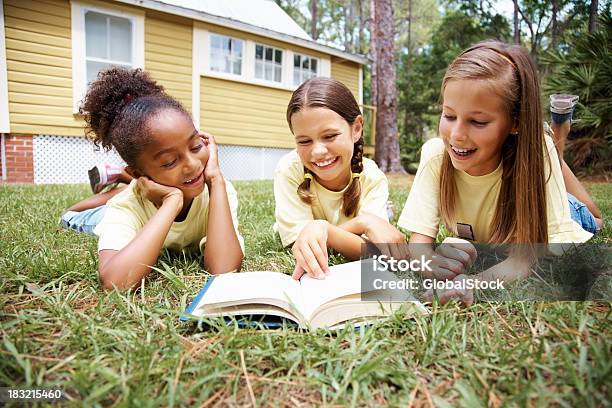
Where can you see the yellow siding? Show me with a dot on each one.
(39, 67)
(244, 114)
(346, 72)
(168, 44)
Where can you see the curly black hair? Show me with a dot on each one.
(117, 107)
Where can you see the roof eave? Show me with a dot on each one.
(239, 25)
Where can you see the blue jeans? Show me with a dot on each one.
(83, 221)
(561, 117)
(581, 214)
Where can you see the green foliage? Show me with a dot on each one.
(585, 69)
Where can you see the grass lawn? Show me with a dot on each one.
(59, 328)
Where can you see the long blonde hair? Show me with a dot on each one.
(331, 94)
(520, 213)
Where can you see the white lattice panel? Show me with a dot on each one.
(63, 159)
(249, 163)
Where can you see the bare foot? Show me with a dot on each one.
(560, 132)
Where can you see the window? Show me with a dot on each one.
(103, 36)
(225, 54)
(304, 67)
(108, 41)
(268, 63)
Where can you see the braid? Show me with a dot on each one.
(352, 195)
(304, 189)
(334, 95)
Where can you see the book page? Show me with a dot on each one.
(343, 280)
(238, 288)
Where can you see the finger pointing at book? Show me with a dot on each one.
(310, 251)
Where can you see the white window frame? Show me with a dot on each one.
(309, 57)
(209, 54)
(201, 64)
(79, 70)
(5, 124)
(283, 63)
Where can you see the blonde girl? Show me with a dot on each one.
(327, 194)
(492, 176)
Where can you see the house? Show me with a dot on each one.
(232, 63)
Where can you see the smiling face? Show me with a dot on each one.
(325, 143)
(474, 125)
(176, 156)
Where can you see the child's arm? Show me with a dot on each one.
(310, 249)
(448, 260)
(125, 269)
(380, 232)
(222, 252)
(515, 267)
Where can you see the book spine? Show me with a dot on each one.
(194, 303)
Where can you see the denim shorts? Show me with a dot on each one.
(560, 117)
(83, 221)
(581, 214)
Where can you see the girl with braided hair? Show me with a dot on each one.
(178, 198)
(327, 194)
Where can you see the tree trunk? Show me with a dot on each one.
(555, 25)
(362, 22)
(593, 16)
(314, 18)
(387, 141)
(373, 76)
(517, 33)
(349, 16)
(409, 26)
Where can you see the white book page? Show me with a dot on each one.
(343, 279)
(251, 287)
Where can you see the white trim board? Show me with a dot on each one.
(249, 28)
(78, 9)
(201, 64)
(5, 124)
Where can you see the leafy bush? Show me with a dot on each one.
(585, 69)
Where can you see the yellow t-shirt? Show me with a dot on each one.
(292, 214)
(477, 198)
(128, 212)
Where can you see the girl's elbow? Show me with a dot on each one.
(220, 266)
(110, 282)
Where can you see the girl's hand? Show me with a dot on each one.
(212, 170)
(159, 193)
(465, 296)
(452, 258)
(310, 251)
(388, 239)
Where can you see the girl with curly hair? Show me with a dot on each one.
(178, 198)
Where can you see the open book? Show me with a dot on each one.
(311, 303)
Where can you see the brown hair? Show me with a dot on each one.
(520, 213)
(117, 107)
(331, 94)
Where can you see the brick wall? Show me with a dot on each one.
(19, 159)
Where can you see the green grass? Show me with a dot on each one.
(58, 328)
